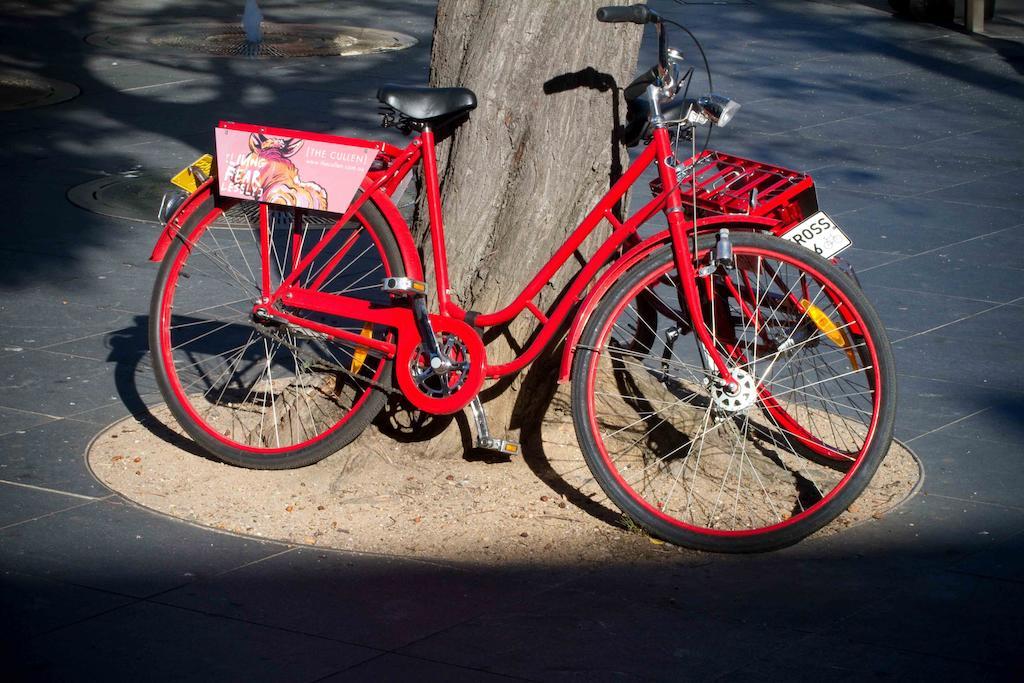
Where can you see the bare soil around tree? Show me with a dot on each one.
(380, 495)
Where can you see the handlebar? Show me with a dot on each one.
(661, 83)
(640, 14)
(637, 14)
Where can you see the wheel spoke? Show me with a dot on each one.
(706, 464)
(255, 392)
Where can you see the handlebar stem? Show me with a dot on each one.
(653, 94)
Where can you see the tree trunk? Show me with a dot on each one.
(539, 151)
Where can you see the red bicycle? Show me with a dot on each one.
(732, 387)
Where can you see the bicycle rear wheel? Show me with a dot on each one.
(252, 392)
(741, 472)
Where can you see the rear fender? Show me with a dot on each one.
(179, 217)
(634, 256)
(406, 244)
(400, 229)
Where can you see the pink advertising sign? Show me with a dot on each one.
(292, 168)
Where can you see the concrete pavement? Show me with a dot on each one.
(913, 133)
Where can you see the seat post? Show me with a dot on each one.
(437, 242)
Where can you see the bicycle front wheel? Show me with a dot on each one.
(251, 391)
(752, 470)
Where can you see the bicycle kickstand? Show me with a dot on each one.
(483, 432)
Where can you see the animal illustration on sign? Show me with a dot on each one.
(267, 174)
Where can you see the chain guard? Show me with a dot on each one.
(467, 387)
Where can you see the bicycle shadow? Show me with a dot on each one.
(593, 79)
(129, 351)
(134, 383)
(530, 417)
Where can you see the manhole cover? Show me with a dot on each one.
(279, 40)
(25, 90)
(132, 195)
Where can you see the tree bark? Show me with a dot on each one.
(539, 151)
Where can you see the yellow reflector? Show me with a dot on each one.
(829, 329)
(511, 448)
(186, 178)
(359, 357)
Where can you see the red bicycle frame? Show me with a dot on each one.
(669, 200)
(623, 244)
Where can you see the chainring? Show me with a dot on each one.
(447, 392)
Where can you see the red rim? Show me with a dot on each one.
(620, 481)
(166, 348)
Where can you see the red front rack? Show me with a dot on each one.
(729, 184)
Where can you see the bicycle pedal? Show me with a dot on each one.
(404, 286)
(483, 433)
(500, 445)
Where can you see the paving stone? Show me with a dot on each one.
(913, 312)
(33, 322)
(56, 384)
(126, 345)
(32, 606)
(1001, 143)
(866, 260)
(974, 469)
(927, 533)
(374, 601)
(897, 127)
(586, 636)
(941, 272)
(391, 667)
(1003, 249)
(838, 202)
(161, 643)
(994, 72)
(928, 404)
(979, 364)
(913, 85)
(912, 226)
(777, 115)
(998, 189)
(805, 670)
(918, 173)
(12, 420)
(137, 75)
(841, 656)
(51, 455)
(1002, 422)
(120, 548)
(132, 403)
(714, 587)
(955, 615)
(1004, 561)
(994, 323)
(76, 241)
(23, 504)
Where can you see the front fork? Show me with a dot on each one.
(685, 259)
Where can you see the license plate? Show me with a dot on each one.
(820, 234)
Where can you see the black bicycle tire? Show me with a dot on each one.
(332, 443)
(586, 352)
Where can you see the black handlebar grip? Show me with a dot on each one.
(638, 14)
